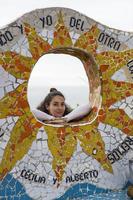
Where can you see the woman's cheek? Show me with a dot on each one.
(64, 108)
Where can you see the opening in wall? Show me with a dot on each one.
(57, 86)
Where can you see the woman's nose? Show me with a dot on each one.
(60, 107)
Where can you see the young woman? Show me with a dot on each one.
(54, 106)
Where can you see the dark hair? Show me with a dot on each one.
(53, 92)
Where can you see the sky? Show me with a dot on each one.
(115, 13)
(112, 13)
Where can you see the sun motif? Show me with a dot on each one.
(26, 128)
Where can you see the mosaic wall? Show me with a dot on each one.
(71, 161)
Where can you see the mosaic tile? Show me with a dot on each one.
(90, 158)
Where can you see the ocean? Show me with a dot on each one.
(74, 95)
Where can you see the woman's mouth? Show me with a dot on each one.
(59, 114)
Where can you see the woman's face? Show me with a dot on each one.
(57, 106)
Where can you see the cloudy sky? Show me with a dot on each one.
(115, 13)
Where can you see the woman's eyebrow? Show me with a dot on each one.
(58, 102)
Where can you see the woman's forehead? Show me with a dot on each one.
(58, 98)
